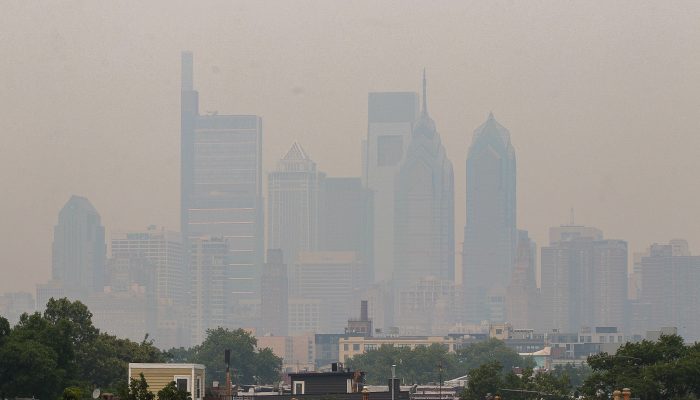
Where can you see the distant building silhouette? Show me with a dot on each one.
(345, 218)
(522, 299)
(423, 211)
(211, 301)
(221, 193)
(490, 234)
(293, 192)
(670, 280)
(79, 251)
(391, 116)
(164, 251)
(275, 295)
(584, 280)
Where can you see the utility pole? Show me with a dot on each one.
(393, 380)
(440, 379)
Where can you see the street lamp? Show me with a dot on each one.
(393, 379)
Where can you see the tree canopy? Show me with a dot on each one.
(426, 364)
(250, 365)
(44, 354)
(663, 369)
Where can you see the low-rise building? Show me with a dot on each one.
(189, 377)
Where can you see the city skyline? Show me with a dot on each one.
(616, 78)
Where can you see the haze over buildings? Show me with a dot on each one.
(597, 97)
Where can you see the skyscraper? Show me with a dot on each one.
(522, 299)
(221, 192)
(490, 233)
(424, 209)
(292, 218)
(211, 300)
(670, 280)
(275, 295)
(163, 250)
(391, 116)
(79, 251)
(345, 218)
(584, 279)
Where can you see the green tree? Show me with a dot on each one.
(475, 355)
(138, 390)
(29, 369)
(172, 392)
(251, 365)
(484, 379)
(665, 369)
(72, 393)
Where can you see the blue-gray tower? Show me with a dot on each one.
(490, 233)
(424, 211)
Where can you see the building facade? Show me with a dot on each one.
(423, 212)
(490, 234)
(391, 116)
(221, 192)
(292, 217)
(275, 295)
(79, 250)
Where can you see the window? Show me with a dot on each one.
(356, 347)
(182, 383)
(345, 347)
(197, 388)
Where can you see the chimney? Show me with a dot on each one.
(364, 314)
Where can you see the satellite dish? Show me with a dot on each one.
(96, 393)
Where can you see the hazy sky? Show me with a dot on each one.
(602, 100)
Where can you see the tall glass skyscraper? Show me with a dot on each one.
(424, 208)
(292, 218)
(221, 192)
(490, 235)
(79, 250)
(391, 116)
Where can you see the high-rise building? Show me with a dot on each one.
(292, 217)
(221, 192)
(334, 278)
(490, 233)
(275, 295)
(211, 301)
(584, 280)
(522, 297)
(164, 251)
(345, 218)
(14, 304)
(79, 250)
(670, 281)
(391, 116)
(423, 208)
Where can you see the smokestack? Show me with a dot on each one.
(187, 71)
(364, 314)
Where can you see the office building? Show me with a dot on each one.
(423, 209)
(584, 280)
(79, 250)
(522, 298)
(345, 218)
(14, 304)
(670, 281)
(333, 278)
(163, 250)
(391, 116)
(221, 192)
(292, 217)
(211, 303)
(275, 295)
(490, 235)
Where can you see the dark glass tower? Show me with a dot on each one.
(490, 235)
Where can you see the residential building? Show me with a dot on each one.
(584, 280)
(187, 377)
(163, 250)
(293, 191)
(490, 235)
(351, 346)
(670, 278)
